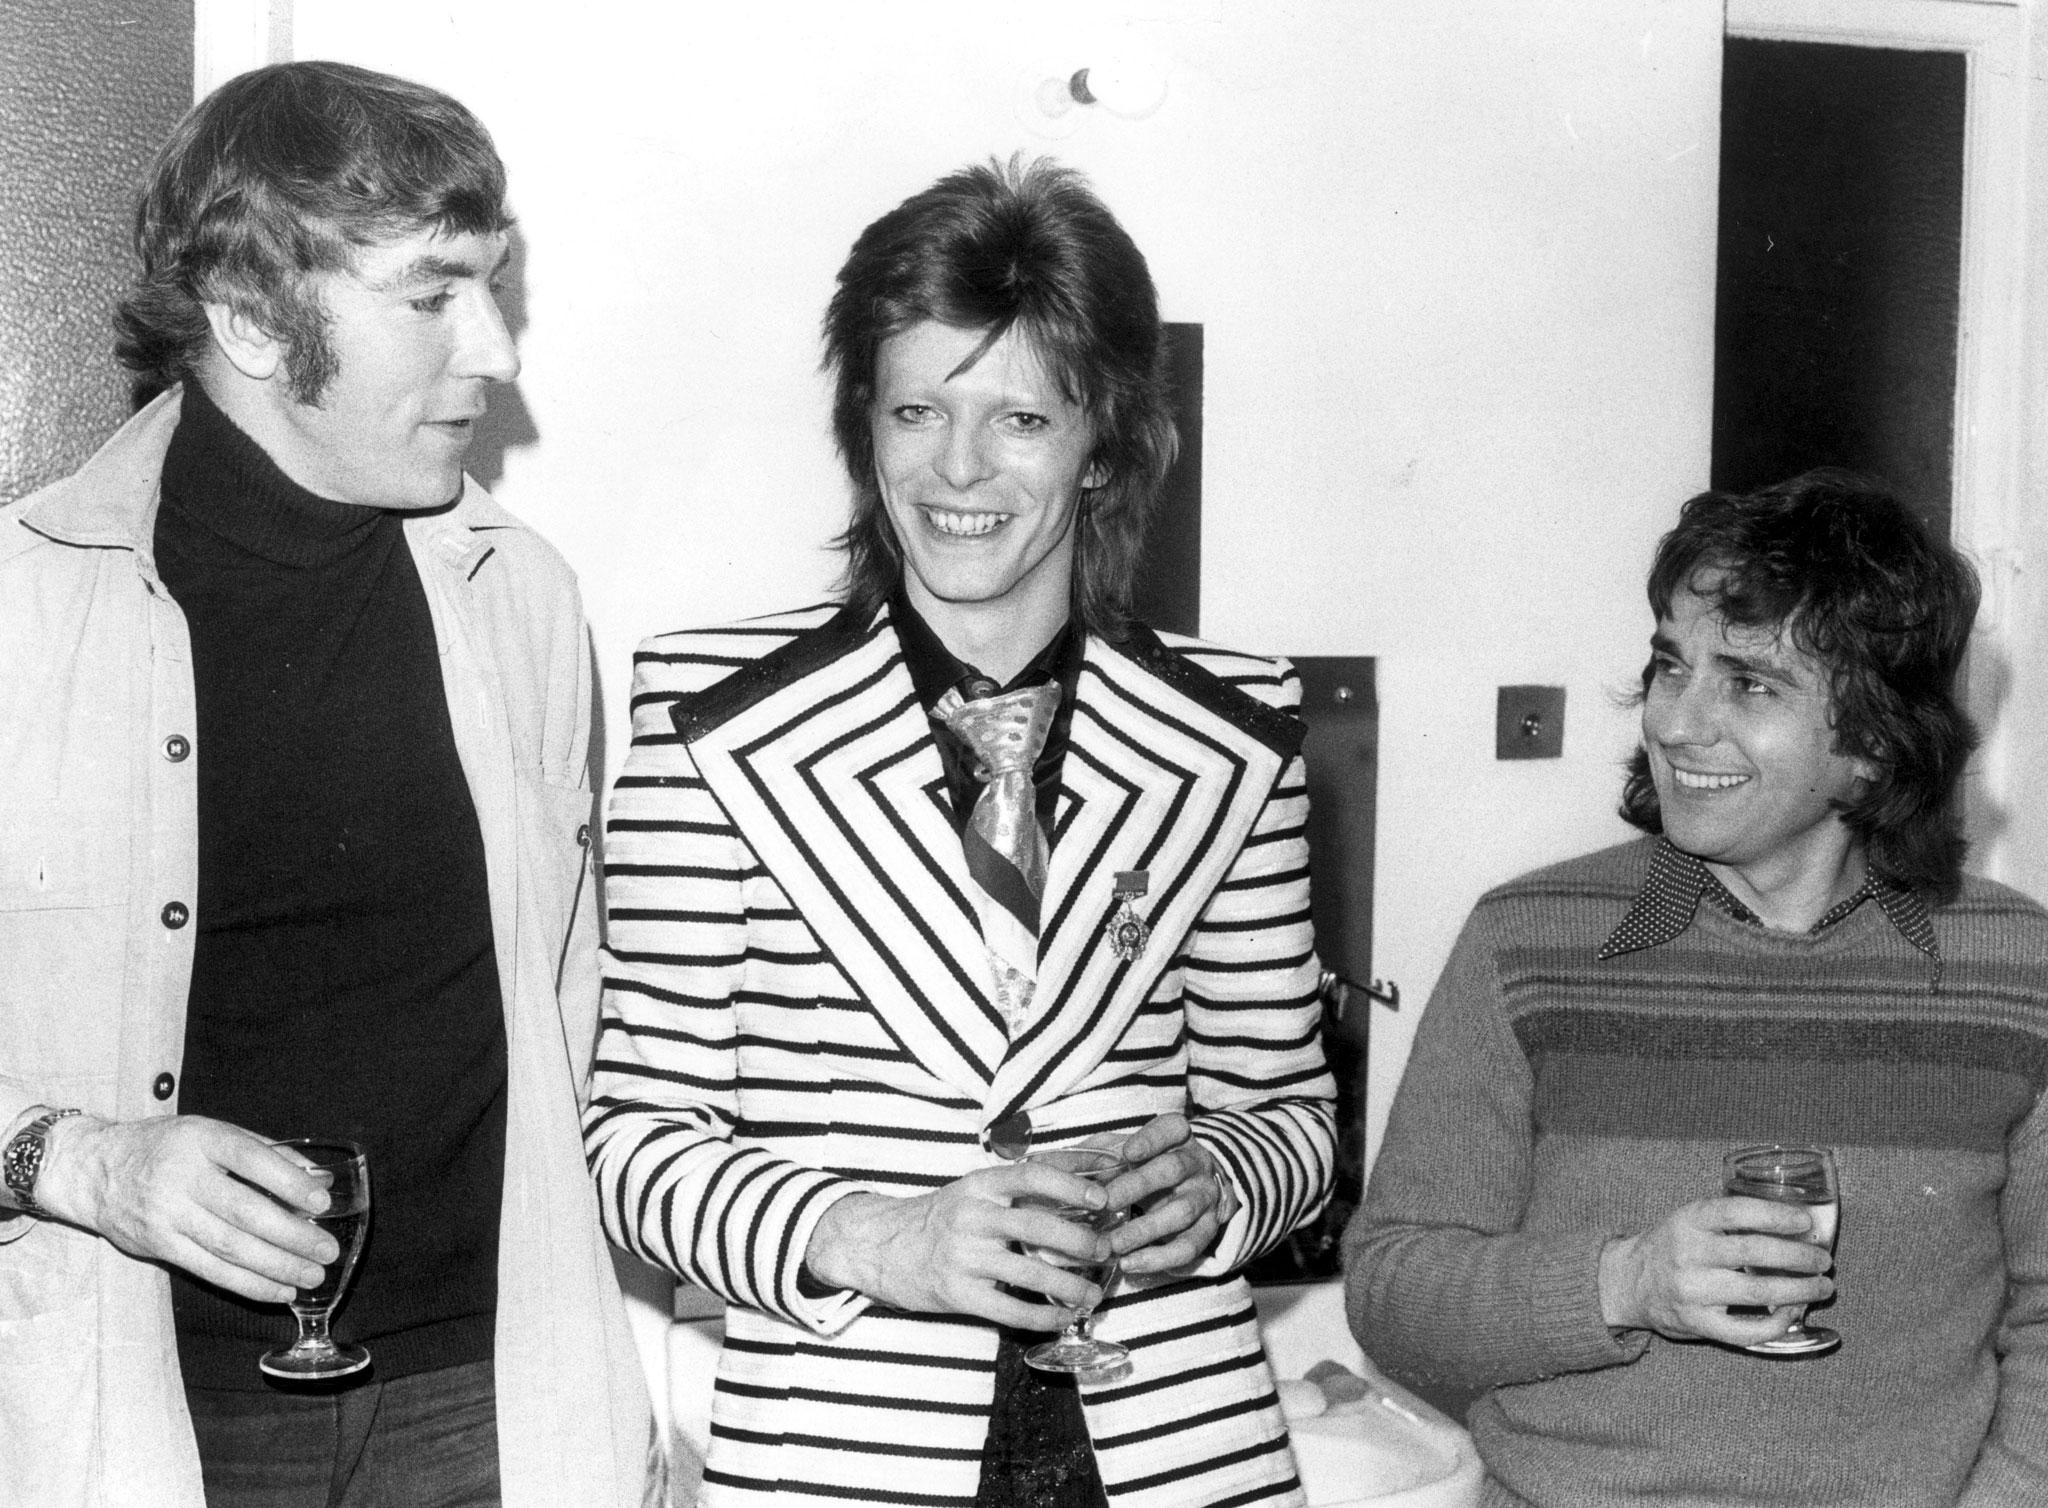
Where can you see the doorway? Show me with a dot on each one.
(1840, 266)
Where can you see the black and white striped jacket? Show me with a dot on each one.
(798, 1007)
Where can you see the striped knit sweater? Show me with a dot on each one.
(792, 1014)
(1554, 1100)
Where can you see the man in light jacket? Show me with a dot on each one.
(294, 841)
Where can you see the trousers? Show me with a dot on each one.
(427, 1440)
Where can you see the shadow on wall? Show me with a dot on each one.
(88, 89)
(507, 423)
(1989, 677)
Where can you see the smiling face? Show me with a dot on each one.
(1738, 726)
(981, 473)
(417, 341)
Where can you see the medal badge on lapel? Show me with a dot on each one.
(1127, 930)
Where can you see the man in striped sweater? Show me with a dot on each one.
(904, 888)
(1793, 957)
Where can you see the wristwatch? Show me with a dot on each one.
(23, 1160)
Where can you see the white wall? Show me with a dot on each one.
(1455, 265)
(2024, 592)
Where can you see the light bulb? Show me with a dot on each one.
(1128, 86)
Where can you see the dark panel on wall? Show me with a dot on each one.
(88, 90)
(1169, 590)
(1340, 703)
(1840, 264)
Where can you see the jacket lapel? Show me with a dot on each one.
(836, 782)
(1158, 783)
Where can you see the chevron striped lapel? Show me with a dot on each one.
(1159, 783)
(836, 783)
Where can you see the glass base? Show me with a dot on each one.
(1076, 1354)
(1809, 1340)
(313, 1363)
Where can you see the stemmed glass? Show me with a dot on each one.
(1804, 1176)
(1074, 1349)
(314, 1354)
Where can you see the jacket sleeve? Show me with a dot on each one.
(1442, 1287)
(2012, 1465)
(673, 1185)
(1262, 1098)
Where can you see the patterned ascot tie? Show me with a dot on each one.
(1006, 849)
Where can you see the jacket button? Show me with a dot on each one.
(163, 1086)
(176, 747)
(1010, 1137)
(175, 915)
(583, 836)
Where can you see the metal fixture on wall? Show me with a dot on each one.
(1059, 92)
(1528, 722)
(1124, 84)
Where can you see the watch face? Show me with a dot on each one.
(23, 1159)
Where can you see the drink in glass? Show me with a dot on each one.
(314, 1353)
(1804, 1176)
(1075, 1350)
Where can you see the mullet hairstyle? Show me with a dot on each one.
(281, 173)
(998, 247)
(1861, 585)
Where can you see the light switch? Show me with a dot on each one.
(1528, 722)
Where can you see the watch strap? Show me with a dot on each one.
(22, 1161)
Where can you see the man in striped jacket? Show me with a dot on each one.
(970, 864)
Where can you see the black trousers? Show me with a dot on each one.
(425, 1440)
(1038, 1454)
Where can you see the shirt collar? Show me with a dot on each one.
(111, 501)
(934, 668)
(1677, 881)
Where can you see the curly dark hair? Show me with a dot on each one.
(280, 173)
(995, 247)
(1863, 588)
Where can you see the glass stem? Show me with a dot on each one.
(312, 1330)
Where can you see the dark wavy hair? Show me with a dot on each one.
(1862, 586)
(996, 247)
(281, 173)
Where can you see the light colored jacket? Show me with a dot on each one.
(99, 833)
(798, 1007)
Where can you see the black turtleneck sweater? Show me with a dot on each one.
(344, 981)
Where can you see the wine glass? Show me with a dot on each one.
(1804, 1176)
(1074, 1349)
(314, 1354)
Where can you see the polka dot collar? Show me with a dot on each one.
(1677, 881)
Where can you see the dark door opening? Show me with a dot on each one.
(1840, 265)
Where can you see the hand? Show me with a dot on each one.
(1680, 1278)
(945, 1252)
(1178, 1195)
(178, 1189)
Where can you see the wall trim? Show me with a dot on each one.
(233, 36)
